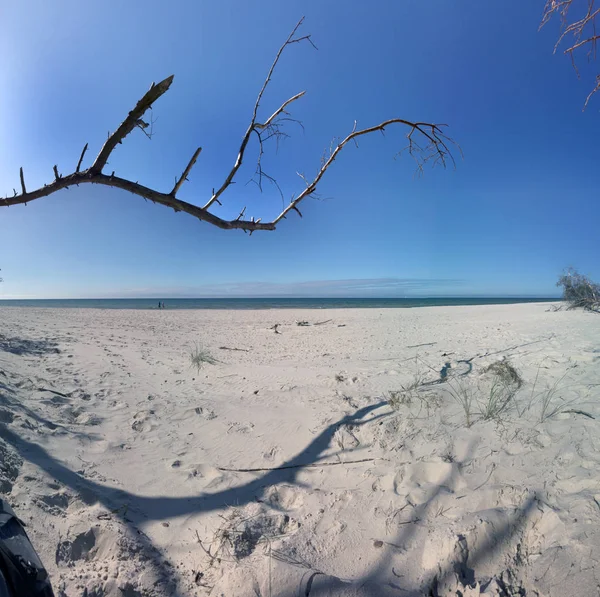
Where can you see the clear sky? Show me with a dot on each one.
(521, 206)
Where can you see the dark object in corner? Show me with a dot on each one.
(21, 570)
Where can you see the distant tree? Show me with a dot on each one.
(579, 291)
(426, 143)
(578, 24)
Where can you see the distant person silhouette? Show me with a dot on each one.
(159, 304)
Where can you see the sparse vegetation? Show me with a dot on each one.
(398, 398)
(499, 398)
(340, 377)
(407, 392)
(506, 373)
(463, 395)
(199, 356)
(579, 291)
(549, 407)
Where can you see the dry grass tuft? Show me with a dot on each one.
(505, 372)
(199, 356)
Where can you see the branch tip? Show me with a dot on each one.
(183, 177)
(81, 158)
(22, 181)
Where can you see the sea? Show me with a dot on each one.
(269, 303)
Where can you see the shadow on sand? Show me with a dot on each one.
(24, 347)
(140, 509)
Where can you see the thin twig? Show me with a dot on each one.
(289, 466)
(437, 148)
(253, 124)
(488, 478)
(54, 392)
(238, 349)
(576, 411)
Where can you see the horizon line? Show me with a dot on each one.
(290, 297)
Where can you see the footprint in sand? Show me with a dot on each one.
(205, 413)
(208, 474)
(284, 497)
(144, 420)
(418, 480)
(238, 427)
(56, 503)
(270, 454)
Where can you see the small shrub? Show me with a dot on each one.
(340, 377)
(579, 291)
(199, 356)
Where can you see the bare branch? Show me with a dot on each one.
(426, 143)
(184, 176)
(133, 120)
(436, 148)
(583, 32)
(254, 126)
(280, 110)
(166, 199)
(81, 158)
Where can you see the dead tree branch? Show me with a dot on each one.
(81, 158)
(22, 181)
(582, 32)
(132, 121)
(436, 149)
(184, 176)
(426, 143)
(254, 126)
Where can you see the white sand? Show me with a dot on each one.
(120, 471)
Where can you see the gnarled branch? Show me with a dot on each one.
(426, 143)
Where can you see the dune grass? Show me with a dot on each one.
(199, 356)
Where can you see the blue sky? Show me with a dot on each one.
(520, 207)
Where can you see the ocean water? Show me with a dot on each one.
(267, 303)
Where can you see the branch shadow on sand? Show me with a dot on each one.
(132, 509)
(380, 580)
(383, 579)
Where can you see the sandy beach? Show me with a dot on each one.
(336, 457)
